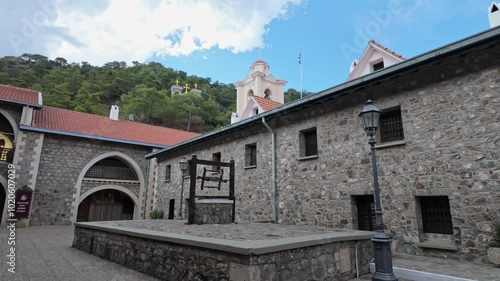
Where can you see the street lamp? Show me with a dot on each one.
(184, 165)
(381, 242)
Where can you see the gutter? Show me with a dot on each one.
(79, 135)
(273, 164)
(33, 105)
(146, 186)
(492, 35)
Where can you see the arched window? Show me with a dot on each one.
(112, 168)
(267, 94)
(6, 140)
(250, 93)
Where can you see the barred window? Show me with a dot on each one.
(391, 126)
(436, 215)
(168, 170)
(308, 143)
(251, 155)
(378, 66)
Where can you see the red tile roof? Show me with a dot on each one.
(259, 61)
(266, 104)
(19, 95)
(386, 49)
(64, 120)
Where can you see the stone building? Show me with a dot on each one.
(438, 150)
(81, 167)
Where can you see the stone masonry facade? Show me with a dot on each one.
(62, 160)
(172, 261)
(450, 113)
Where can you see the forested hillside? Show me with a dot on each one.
(139, 89)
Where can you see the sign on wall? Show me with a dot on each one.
(23, 202)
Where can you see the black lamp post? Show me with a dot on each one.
(381, 242)
(184, 165)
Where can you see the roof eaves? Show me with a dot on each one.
(21, 103)
(58, 132)
(334, 91)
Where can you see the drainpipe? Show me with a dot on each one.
(273, 183)
(146, 183)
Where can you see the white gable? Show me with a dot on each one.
(494, 14)
(253, 108)
(372, 56)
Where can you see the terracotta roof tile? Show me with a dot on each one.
(266, 104)
(19, 95)
(386, 49)
(99, 126)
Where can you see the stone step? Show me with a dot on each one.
(417, 275)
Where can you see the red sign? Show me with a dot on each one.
(23, 202)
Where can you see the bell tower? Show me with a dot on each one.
(260, 82)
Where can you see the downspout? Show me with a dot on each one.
(273, 182)
(146, 190)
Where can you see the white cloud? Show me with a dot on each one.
(127, 30)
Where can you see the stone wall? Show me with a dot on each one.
(257, 187)
(213, 212)
(173, 261)
(62, 160)
(451, 147)
(89, 184)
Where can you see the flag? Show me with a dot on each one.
(300, 56)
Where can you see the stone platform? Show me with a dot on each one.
(172, 250)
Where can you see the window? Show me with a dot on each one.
(308, 143)
(256, 111)
(366, 212)
(435, 214)
(168, 170)
(250, 155)
(217, 158)
(378, 66)
(391, 125)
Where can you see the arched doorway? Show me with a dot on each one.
(7, 136)
(114, 170)
(2, 200)
(106, 205)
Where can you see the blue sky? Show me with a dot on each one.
(322, 28)
(221, 38)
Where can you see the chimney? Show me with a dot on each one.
(113, 113)
(494, 14)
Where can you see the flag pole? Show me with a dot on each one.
(300, 62)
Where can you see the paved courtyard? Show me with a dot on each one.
(45, 253)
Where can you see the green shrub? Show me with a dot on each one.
(157, 214)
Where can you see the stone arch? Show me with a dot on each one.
(120, 155)
(11, 120)
(268, 94)
(135, 199)
(250, 93)
(3, 203)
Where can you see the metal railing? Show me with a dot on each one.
(107, 172)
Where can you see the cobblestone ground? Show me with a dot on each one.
(45, 253)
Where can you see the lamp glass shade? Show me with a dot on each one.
(370, 116)
(184, 164)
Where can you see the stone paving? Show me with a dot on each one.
(448, 267)
(244, 231)
(45, 253)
